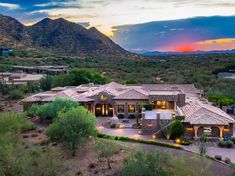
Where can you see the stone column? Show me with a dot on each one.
(221, 129)
(196, 131)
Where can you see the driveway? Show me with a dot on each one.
(213, 150)
(128, 132)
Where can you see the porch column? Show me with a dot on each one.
(93, 108)
(221, 129)
(126, 109)
(195, 131)
(175, 106)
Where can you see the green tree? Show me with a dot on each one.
(177, 129)
(72, 128)
(46, 83)
(51, 110)
(132, 81)
(15, 94)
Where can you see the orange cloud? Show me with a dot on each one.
(216, 41)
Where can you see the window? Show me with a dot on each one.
(103, 98)
(121, 108)
(131, 108)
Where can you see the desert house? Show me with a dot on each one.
(167, 101)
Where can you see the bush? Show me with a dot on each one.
(51, 110)
(177, 129)
(132, 116)
(72, 128)
(180, 118)
(121, 116)
(127, 139)
(148, 164)
(14, 122)
(185, 142)
(15, 94)
(228, 144)
(222, 144)
(232, 139)
(148, 107)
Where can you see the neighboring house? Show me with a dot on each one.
(167, 100)
(54, 70)
(226, 75)
(5, 51)
(18, 79)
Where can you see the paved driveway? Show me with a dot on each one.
(212, 151)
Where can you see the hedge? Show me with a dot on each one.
(127, 139)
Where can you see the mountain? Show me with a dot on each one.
(58, 36)
(158, 53)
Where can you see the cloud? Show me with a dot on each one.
(10, 6)
(216, 41)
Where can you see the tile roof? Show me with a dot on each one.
(132, 94)
(204, 113)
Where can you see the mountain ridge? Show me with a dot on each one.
(58, 36)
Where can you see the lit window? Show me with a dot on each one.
(103, 97)
(131, 108)
(121, 108)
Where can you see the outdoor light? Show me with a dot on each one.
(177, 141)
(121, 126)
(139, 132)
(154, 136)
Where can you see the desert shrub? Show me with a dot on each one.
(15, 94)
(189, 165)
(107, 149)
(121, 116)
(51, 110)
(146, 164)
(177, 129)
(72, 128)
(21, 160)
(14, 122)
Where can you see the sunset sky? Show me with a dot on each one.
(109, 16)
